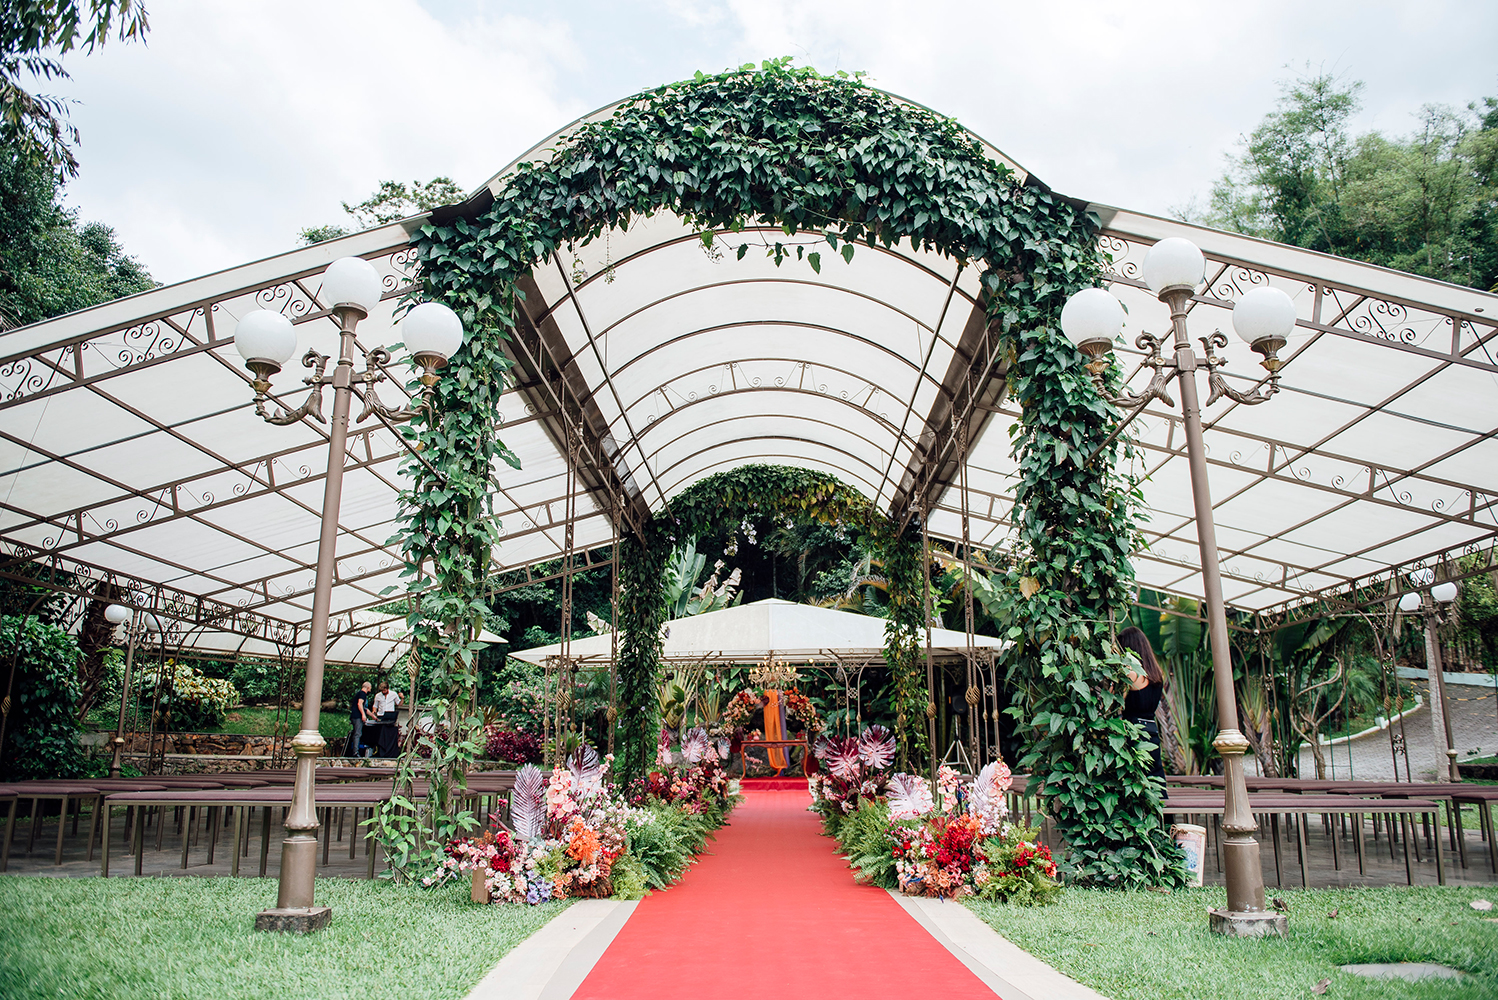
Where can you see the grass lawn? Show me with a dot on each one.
(194, 937)
(1148, 946)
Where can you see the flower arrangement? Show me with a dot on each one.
(955, 843)
(742, 706)
(800, 708)
(571, 838)
(855, 769)
(740, 710)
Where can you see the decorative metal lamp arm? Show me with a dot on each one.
(1219, 385)
(1159, 382)
(311, 408)
(378, 358)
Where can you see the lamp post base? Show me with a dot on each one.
(294, 919)
(1247, 925)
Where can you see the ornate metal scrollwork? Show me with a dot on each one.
(313, 405)
(1159, 387)
(1219, 385)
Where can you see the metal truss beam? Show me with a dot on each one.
(558, 389)
(972, 388)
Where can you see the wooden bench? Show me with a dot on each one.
(1277, 803)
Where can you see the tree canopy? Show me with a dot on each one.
(34, 128)
(50, 262)
(390, 201)
(1426, 202)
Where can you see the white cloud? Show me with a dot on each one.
(242, 122)
(239, 124)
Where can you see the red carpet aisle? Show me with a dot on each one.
(773, 912)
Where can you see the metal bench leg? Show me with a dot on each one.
(140, 840)
(1435, 819)
(62, 827)
(93, 826)
(1304, 848)
(1279, 873)
(327, 833)
(1485, 810)
(1357, 840)
(104, 848)
(1333, 828)
(264, 837)
(353, 833)
(10, 827)
(36, 816)
(213, 819)
(238, 839)
(1407, 833)
(186, 835)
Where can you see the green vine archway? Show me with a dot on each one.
(720, 501)
(837, 159)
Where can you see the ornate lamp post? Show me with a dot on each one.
(138, 622)
(1264, 318)
(1433, 605)
(267, 340)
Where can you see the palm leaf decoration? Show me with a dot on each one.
(909, 797)
(841, 758)
(587, 769)
(876, 748)
(695, 746)
(528, 803)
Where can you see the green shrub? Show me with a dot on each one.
(188, 700)
(257, 680)
(42, 741)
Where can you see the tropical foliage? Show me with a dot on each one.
(41, 737)
(1426, 202)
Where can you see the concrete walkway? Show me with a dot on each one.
(771, 878)
(1474, 730)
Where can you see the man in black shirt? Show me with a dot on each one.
(358, 713)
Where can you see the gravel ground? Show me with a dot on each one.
(1474, 719)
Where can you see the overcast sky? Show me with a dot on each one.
(239, 123)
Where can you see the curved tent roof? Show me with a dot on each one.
(747, 633)
(129, 448)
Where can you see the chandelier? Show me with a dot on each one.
(775, 675)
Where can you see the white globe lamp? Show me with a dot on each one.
(1263, 319)
(266, 340)
(351, 282)
(432, 333)
(1174, 262)
(1091, 319)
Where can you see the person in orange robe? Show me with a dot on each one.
(775, 729)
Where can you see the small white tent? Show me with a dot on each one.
(797, 633)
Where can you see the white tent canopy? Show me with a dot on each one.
(748, 633)
(130, 452)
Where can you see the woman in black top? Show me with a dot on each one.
(1145, 690)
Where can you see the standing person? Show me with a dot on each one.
(1145, 690)
(385, 704)
(358, 715)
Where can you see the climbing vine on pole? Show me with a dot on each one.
(829, 158)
